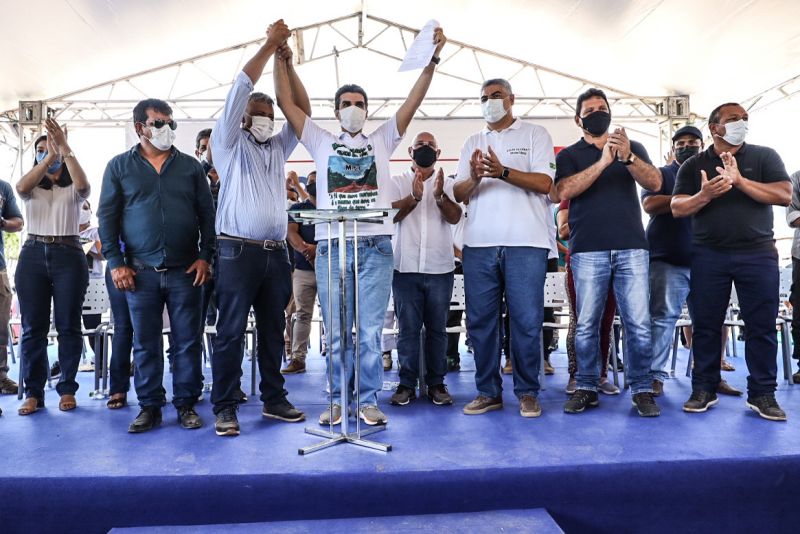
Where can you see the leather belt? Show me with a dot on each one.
(69, 240)
(266, 244)
(139, 266)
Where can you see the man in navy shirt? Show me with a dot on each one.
(729, 191)
(598, 175)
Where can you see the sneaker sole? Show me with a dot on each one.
(490, 408)
(641, 414)
(285, 372)
(704, 408)
(765, 416)
(143, 430)
(441, 403)
(398, 403)
(229, 432)
(371, 422)
(286, 419)
(594, 404)
(530, 414)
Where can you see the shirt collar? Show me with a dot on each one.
(713, 154)
(344, 136)
(513, 126)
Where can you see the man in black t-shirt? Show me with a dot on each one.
(598, 175)
(729, 191)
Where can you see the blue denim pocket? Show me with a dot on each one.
(384, 246)
(230, 251)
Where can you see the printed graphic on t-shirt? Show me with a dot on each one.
(352, 177)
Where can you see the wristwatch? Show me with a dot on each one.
(435, 60)
(69, 154)
(630, 159)
(506, 172)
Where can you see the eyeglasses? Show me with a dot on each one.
(158, 124)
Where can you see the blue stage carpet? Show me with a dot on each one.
(606, 470)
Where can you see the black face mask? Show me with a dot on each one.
(686, 152)
(311, 189)
(597, 123)
(207, 167)
(424, 156)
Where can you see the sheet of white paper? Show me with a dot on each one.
(421, 50)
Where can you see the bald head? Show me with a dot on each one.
(424, 150)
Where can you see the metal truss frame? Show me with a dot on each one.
(109, 104)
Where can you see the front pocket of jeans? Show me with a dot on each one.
(229, 252)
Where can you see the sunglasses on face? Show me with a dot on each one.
(158, 124)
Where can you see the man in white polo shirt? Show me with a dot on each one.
(353, 173)
(423, 270)
(506, 171)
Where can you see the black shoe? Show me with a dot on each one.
(454, 364)
(241, 396)
(55, 370)
(439, 395)
(700, 401)
(188, 418)
(767, 407)
(580, 400)
(796, 377)
(620, 364)
(284, 411)
(149, 418)
(227, 423)
(403, 395)
(646, 405)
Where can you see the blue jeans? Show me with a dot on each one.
(375, 266)
(249, 276)
(119, 366)
(669, 287)
(627, 272)
(60, 273)
(422, 300)
(153, 290)
(520, 273)
(756, 275)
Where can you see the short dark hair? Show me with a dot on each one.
(714, 117)
(140, 110)
(260, 97)
(349, 88)
(202, 134)
(586, 95)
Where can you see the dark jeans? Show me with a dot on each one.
(60, 273)
(520, 273)
(174, 288)
(756, 275)
(454, 319)
(422, 300)
(90, 322)
(248, 275)
(119, 364)
(794, 298)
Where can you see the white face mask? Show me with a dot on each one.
(493, 110)
(162, 138)
(261, 128)
(85, 217)
(352, 118)
(735, 132)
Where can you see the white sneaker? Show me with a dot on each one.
(372, 415)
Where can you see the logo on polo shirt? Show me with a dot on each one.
(521, 151)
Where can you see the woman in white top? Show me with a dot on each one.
(52, 266)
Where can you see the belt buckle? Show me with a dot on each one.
(269, 245)
(48, 239)
(162, 270)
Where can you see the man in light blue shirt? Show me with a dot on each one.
(252, 264)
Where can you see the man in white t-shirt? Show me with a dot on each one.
(506, 171)
(353, 173)
(423, 270)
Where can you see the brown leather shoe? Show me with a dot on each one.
(658, 388)
(30, 405)
(483, 404)
(725, 365)
(529, 406)
(508, 368)
(67, 403)
(548, 369)
(295, 366)
(723, 388)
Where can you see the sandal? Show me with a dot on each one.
(67, 403)
(117, 401)
(726, 366)
(30, 405)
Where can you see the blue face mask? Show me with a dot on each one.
(52, 169)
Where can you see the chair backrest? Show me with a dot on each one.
(96, 300)
(786, 283)
(555, 290)
(458, 300)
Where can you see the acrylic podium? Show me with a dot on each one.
(341, 220)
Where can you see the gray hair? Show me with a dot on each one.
(260, 97)
(497, 81)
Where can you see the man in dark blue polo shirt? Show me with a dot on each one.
(670, 241)
(729, 191)
(156, 200)
(598, 175)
